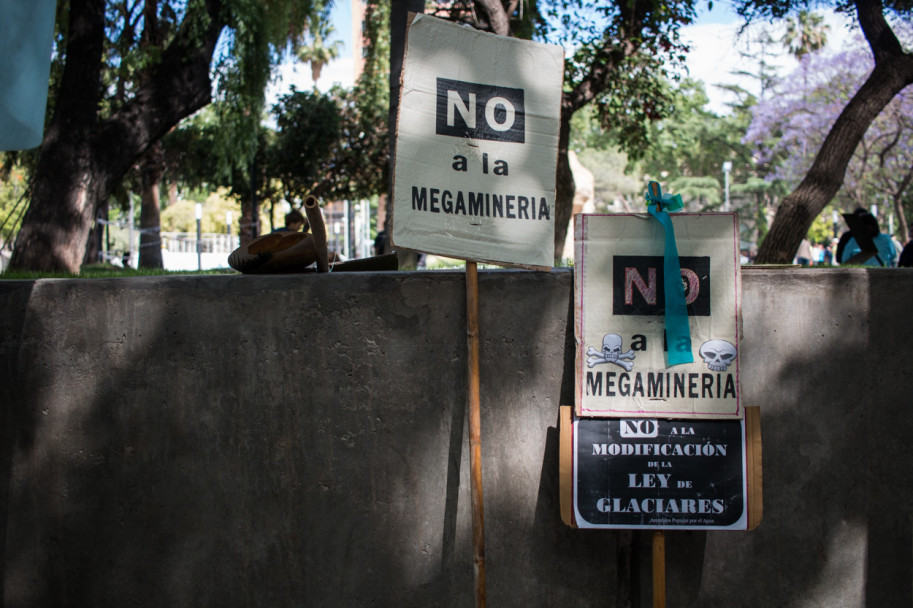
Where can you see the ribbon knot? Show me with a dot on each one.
(667, 202)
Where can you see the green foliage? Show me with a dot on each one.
(587, 132)
(13, 195)
(337, 145)
(223, 140)
(628, 52)
(308, 129)
(525, 20)
(686, 150)
(637, 97)
(192, 158)
(330, 144)
(612, 185)
(181, 216)
(822, 230)
(755, 10)
(702, 193)
(318, 51)
(805, 33)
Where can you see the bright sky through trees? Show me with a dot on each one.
(716, 47)
(714, 56)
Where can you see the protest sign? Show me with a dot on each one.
(660, 474)
(619, 324)
(476, 145)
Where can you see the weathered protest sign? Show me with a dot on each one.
(619, 306)
(660, 474)
(476, 145)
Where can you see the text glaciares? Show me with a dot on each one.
(479, 204)
(696, 506)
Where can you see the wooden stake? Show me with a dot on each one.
(475, 431)
(318, 230)
(659, 569)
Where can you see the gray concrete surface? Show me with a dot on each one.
(300, 441)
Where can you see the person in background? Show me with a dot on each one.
(294, 221)
(829, 253)
(804, 255)
(380, 242)
(906, 256)
(887, 254)
(818, 254)
(846, 236)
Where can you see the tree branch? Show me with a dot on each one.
(176, 87)
(497, 17)
(877, 32)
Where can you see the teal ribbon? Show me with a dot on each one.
(678, 330)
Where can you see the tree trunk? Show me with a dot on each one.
(588, 90)
(53, 234)
(399, 11)
(564, 182)
(902, 227)
(249, 224)
(893, 71)
(150, 237)
(94, 242)
(152, 165)
(498, 19)
(83, 157)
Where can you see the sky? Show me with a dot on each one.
(716, 45)
(713, 59)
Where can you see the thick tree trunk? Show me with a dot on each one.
(83, 157)
(53, 233)
(893, 71)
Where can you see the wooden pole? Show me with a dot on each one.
(475, 431)
(659, 569)
(318, 231)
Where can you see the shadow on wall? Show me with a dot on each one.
(830, 380)
(233, 455)
(270, 438)
(261, 441)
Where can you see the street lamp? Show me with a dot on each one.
(727, 168)
(199, 213)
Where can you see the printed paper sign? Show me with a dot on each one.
(619, 316)
(660, 474)
(477, 145)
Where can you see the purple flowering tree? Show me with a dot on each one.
(789, 129)
(892, 72)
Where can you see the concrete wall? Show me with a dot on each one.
(300, 441)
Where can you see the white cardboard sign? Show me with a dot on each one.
(619, 316)
(477, 145)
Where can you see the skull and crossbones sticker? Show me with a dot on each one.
(610, 353)
(717, 354)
